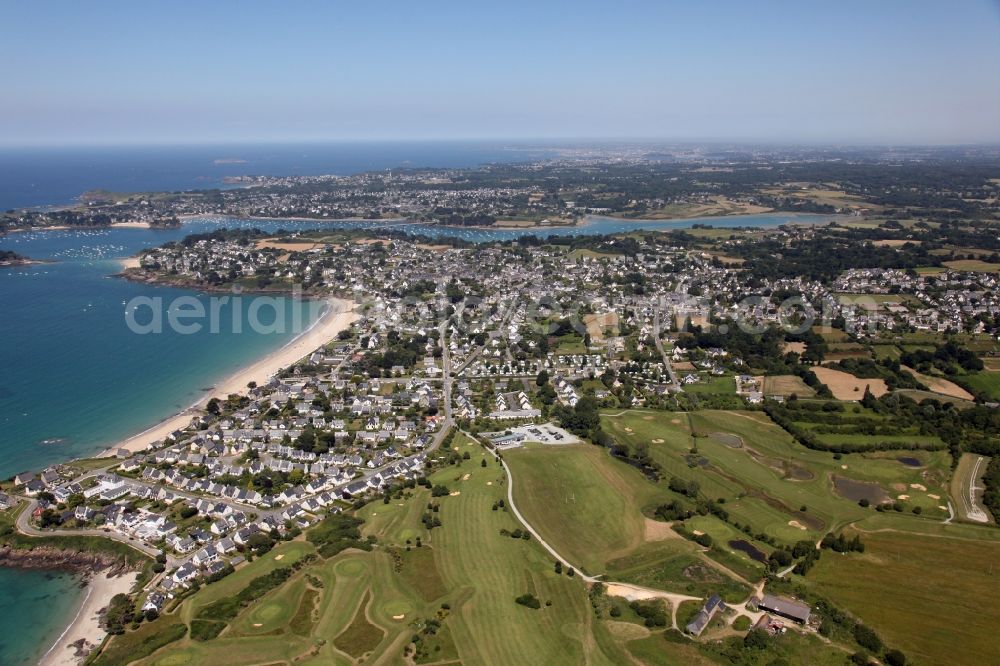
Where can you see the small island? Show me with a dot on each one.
(9, 258)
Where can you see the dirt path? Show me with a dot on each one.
(636, 592)
(627, 587)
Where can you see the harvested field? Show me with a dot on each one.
(787, 385)
(940, 385)
(797, 347)
(288, 246)
(894, 242)
(597, 324)
(845, 386)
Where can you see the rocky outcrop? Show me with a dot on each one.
(45, 557)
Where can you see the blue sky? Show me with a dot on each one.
(889, 71)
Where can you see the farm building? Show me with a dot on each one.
(793, 610)
(704, 616)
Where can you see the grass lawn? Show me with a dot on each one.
(709, 384)
(361, 636)
(927, 596)
(885, 351)
(768, 477)
(272, 612)
(675, 565)
(284, 554)
(372, 603)
(588, 504)
(987, 382)
(974, 265)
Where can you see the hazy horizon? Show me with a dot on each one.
(892, 73)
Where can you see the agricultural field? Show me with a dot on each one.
(940, 385)
(846, 386)
(974, 265)
(987, 383)
(930, 593)
(919, 396)
(838, 351)
(787, 385)
(884, 351)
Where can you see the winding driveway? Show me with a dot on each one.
(627, 590)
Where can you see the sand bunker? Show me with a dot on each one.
(628, 429)
(675, 421)
(658, 531)
(933, 496)
(257, 624)
(903, 497)
(465, 478)
(278, 558)
(657, 441)
(454, 494)
(489, 483)
(917, 486)
(398, 617)
(796, 524)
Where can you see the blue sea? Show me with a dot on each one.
(57, 176)
(75, 378)
(35, 607)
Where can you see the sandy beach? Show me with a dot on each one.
(338, 316)
(86, 624)
(130, 262)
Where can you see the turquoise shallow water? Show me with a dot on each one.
(35, 607)
(74, 377)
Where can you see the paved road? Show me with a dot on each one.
(25, 527)
(627, 590)
(675, 383)
(973, 510)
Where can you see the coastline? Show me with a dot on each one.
(82, 227)
(337, 317)
(298, 218)
(84, 631)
